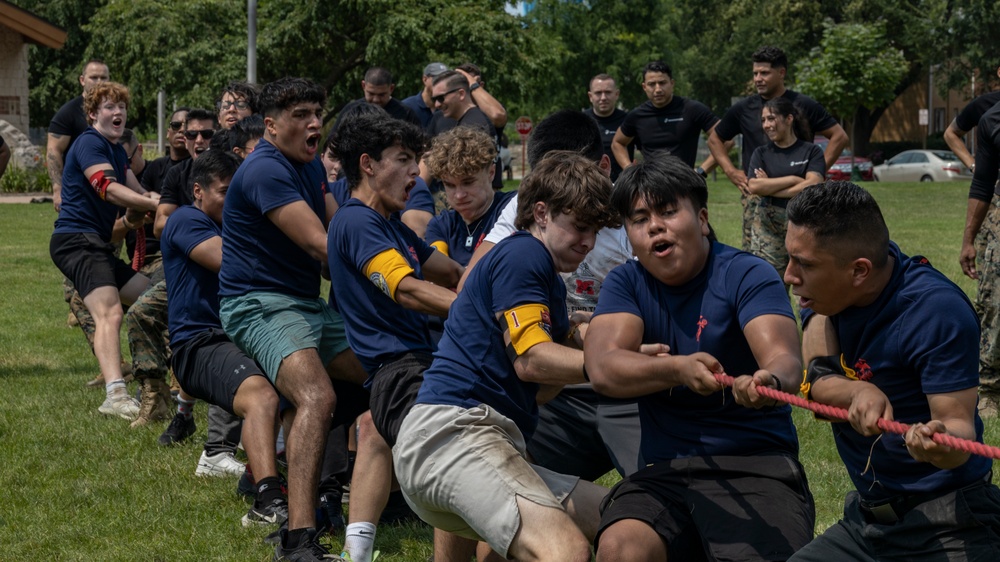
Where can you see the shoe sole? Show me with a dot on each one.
(210, 470)
(113, 412)
(261, 520)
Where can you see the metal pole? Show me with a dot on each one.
(930, 103)
(252, 41)
(161, 99)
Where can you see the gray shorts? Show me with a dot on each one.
(462, 469)
(271, 326)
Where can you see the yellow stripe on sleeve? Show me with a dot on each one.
(528, 324)
(387, 270)
(441, 246)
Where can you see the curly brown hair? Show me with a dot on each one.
(460, 152)
(112, 91)
(567, 183)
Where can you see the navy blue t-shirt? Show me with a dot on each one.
(82, 209)
(707, 314)
(744, 118)
(471, 366)
(257, 255)
(460, 239)
(378, 328)
(672, 129)
(914, 340)
(796, 160)
(192, 290)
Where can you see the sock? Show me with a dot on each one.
(115, 387)
(268, 490)
(185, 408)
(359, 541)
(297, 537)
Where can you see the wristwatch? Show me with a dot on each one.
(701, 172)
(474, 86)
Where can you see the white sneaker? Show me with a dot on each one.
(222, 464)
(121, 405)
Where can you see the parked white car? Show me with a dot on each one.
(923, 165)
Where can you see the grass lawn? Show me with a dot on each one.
(80, 486)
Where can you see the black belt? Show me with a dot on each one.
(775, 201)
(887, 512)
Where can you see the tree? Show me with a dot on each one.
(853, 69)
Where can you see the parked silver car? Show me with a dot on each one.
(923, 165)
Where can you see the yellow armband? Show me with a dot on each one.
(387, 270)
(441, 246)
(528, 324)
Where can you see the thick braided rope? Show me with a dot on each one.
(834, 412)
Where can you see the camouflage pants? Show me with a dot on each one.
(767, 232)
(148, 338)
(988, 303)
(750, 204)
(79, 310)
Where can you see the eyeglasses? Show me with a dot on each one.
(206, 134)
(440, 99)
(240, 104)
(176, 125)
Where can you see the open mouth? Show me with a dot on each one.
(312, 141)
(662, 249)
(200, 149)
(409, 188)
(117, 121)
(805, 302)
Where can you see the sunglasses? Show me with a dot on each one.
(176, 125)
(440, 99)
(240, 104)
(206, 134)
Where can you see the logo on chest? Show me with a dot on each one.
(862, 371)
(702, 323)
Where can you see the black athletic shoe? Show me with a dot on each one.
(307, 551)
(274, 513)
(330, 514)
(180, 428)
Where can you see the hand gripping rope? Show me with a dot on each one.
(834, 412)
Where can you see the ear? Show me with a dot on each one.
(605, 165)
(198, 191)
(81, 77)
(367, 164)
(703, 219)
(493, 171)
(540, 213)
(861, 270)
(268, 126)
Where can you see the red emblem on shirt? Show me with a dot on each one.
(585, 287)
(546, 319)
(413, 254)
(701, 326)
(863, 370)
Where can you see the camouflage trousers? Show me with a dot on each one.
(148, 339)
(988, 302)
(750, 203)
(767, 231)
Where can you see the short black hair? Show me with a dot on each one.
(221, 140)
(657, 66)
(245, 130)
(199, 114)
(845, 219)
(88, 62)
(601, 76)
(371, 134)
(350, 112)
(245, 90)
(378, 76)
(452, 79)
(660, 182)
(470, 68)
(214, 165)
(283, 93)
(772, 55)
(177, 110)
(566, 129)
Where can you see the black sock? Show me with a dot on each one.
(268, 489)
(296, 537)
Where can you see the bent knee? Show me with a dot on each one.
(630, 540)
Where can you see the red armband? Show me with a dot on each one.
(100, 182)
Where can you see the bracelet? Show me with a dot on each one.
(777, 382)
(701, 172)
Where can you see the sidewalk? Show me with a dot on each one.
(26, 198)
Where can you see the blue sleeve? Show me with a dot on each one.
(341, 191)
(91, 151)
(195, 229)
(422, 248)
(618, 293)
(362, 235)
(522, 275)
(759, 290)
(436, 230)
(270, 188)
(937, 330)
(420, 198)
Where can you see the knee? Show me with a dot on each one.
(258, 399)
(367, 434)
(618, 546)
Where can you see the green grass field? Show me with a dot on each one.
(79, 486)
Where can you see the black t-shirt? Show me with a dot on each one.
(744, 118)
(156, 172)
(608, 127)
(671, 129)
(474, 118)
(70, 120)
(178, 188)
(796, 160)
(984, 179)
(393, 108)
(972, 113)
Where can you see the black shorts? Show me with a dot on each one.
(89, 262)
(209, 366)
(394, 390)
(719, 508)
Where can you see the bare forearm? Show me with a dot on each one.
(621, 154)
(953, 137)
(125, 197)
(772, 186)
(627, 374)
(424, 297)
(550, 363)
(975, 214)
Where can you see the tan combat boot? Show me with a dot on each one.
(155, 404)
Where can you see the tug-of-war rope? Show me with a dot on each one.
(834, 412)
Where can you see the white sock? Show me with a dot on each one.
(359, 541)
(115, 387)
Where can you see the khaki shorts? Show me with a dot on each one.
(462, 469)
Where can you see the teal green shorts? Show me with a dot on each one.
(272, 326)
